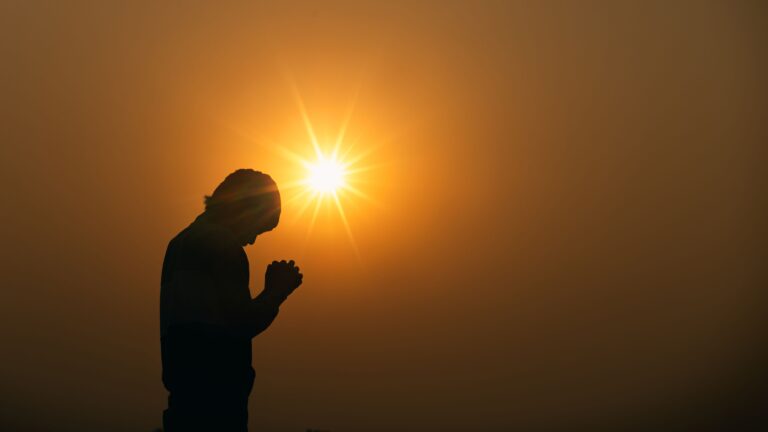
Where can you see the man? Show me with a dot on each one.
(207, 315)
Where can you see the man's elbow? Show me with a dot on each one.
(261, 320)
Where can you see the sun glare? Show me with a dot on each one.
(326, 175)
(331, 178)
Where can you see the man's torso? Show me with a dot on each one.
(204, 358)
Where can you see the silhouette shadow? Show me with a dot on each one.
(207, 315)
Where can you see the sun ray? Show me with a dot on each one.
(361, 181)
(314, 217)
(348, 150)
(346, 224)
(345, 123)
(364, 168)
(239, 131)
(331, 178)
(357, 192)
(307, 123)
(300, 195)
(360, 156)
(304, 207)
(293, 184)
(290, 155)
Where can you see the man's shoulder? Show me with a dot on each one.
(206, 236)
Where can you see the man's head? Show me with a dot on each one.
(247, 202)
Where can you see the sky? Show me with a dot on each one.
(562, 227)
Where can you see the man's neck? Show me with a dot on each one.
(209, 218)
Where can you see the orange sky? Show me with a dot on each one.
(567, 229)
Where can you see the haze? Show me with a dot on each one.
(568, 230)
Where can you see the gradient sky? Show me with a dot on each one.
(567, 229)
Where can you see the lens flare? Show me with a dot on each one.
(326, 175)
(332, 177)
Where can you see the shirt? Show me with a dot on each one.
(207, 316)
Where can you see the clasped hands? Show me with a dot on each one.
(282, 278)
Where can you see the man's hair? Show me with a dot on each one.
(243, 185)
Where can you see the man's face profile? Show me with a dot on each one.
(247, 202)
(261, 217)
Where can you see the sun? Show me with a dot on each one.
(334, 175)
(326, 175)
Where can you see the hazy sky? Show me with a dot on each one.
(566, 231)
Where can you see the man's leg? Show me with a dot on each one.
(225, 415)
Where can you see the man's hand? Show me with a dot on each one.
(282, 278)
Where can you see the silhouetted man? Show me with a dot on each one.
(207, 315)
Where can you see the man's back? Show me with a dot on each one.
(207, 315)
(206, 348)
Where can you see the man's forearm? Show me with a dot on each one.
(264, 309)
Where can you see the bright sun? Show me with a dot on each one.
(326, 175)
(331, 177)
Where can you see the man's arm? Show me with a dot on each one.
(280, 280)
(263, 310)
(221, 272)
